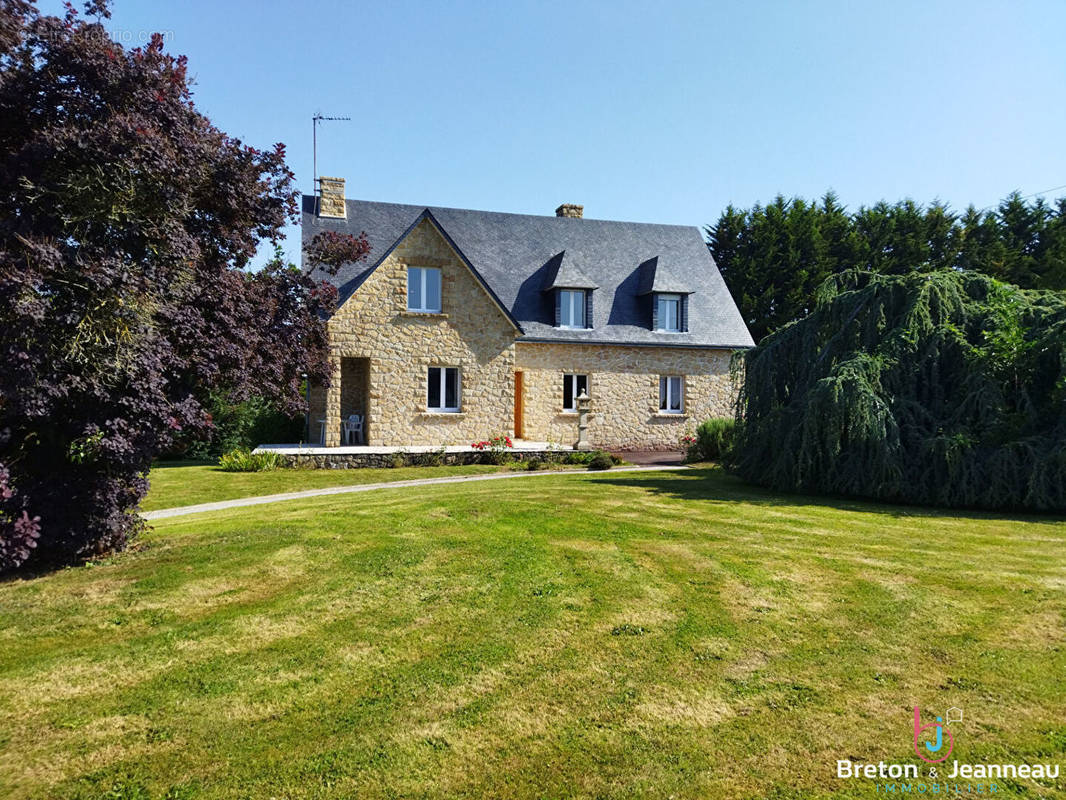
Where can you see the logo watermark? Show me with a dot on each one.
(940, 729)
(934, 743)
(123, 36)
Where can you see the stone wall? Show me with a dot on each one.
(624, 387)
(472, 333)
(342, 459)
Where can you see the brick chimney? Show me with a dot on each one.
(570, 210)
(331, 199)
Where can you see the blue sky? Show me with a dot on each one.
(639, 111)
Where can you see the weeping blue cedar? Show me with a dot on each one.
(944, 388)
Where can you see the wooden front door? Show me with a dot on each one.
(518, 405)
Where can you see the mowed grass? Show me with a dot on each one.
(185, 484)
(593, 635)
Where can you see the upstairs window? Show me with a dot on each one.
(573, 386)
(423, 289)
(670, 395)
(572, 308)
(442, 394)
(668, 312)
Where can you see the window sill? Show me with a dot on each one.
(435, 314)
(565, 413)
(445, 414)
(664, 415)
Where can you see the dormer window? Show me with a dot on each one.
(571, 289)
(572, 308)
(668, 292)
(669, 312)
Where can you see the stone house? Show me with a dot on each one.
(466, 324)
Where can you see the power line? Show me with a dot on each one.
(1026, 197)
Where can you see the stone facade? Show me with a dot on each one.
(623, 383)
(381, 353)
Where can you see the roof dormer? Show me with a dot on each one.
(668, 295)
(572, 293)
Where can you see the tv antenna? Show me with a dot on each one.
(317, 118)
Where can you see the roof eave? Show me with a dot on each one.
(611, 343)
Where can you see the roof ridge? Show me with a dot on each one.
(569, 220)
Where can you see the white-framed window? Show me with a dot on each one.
(571, 308)
(442, 389)
(671, 395)
(669, 312)
(573, 386)
(423, 289)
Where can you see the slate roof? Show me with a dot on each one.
(519, 256)
(565, 273)
(657, 275)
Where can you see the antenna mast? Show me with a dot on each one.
(314, 143)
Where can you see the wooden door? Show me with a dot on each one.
(518, 422)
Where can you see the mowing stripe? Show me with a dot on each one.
(220, 505)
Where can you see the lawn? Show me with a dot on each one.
(184, 483)
(661, 634)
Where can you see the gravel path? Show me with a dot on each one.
(220, 505)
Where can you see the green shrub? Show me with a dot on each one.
(579, 457)
(240, 425)
(242, 459)
(585, 457)
(944, 388)
(714, 440)
(433, 458)
(601, 460)
(534, 464)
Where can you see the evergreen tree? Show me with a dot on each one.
(774, 258)
(941, 388)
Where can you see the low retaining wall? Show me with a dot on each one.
(401, 459)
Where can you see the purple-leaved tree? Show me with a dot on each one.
(126, 223)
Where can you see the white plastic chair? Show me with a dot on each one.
(353, 425)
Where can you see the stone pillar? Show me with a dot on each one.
(333, 405)
(583, 401)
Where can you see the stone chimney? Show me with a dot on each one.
(331, 197)
(570, 210)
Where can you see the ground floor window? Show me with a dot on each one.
(443, 389)
(670, 400)
(573, 386)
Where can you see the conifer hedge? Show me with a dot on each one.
(945, 388)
